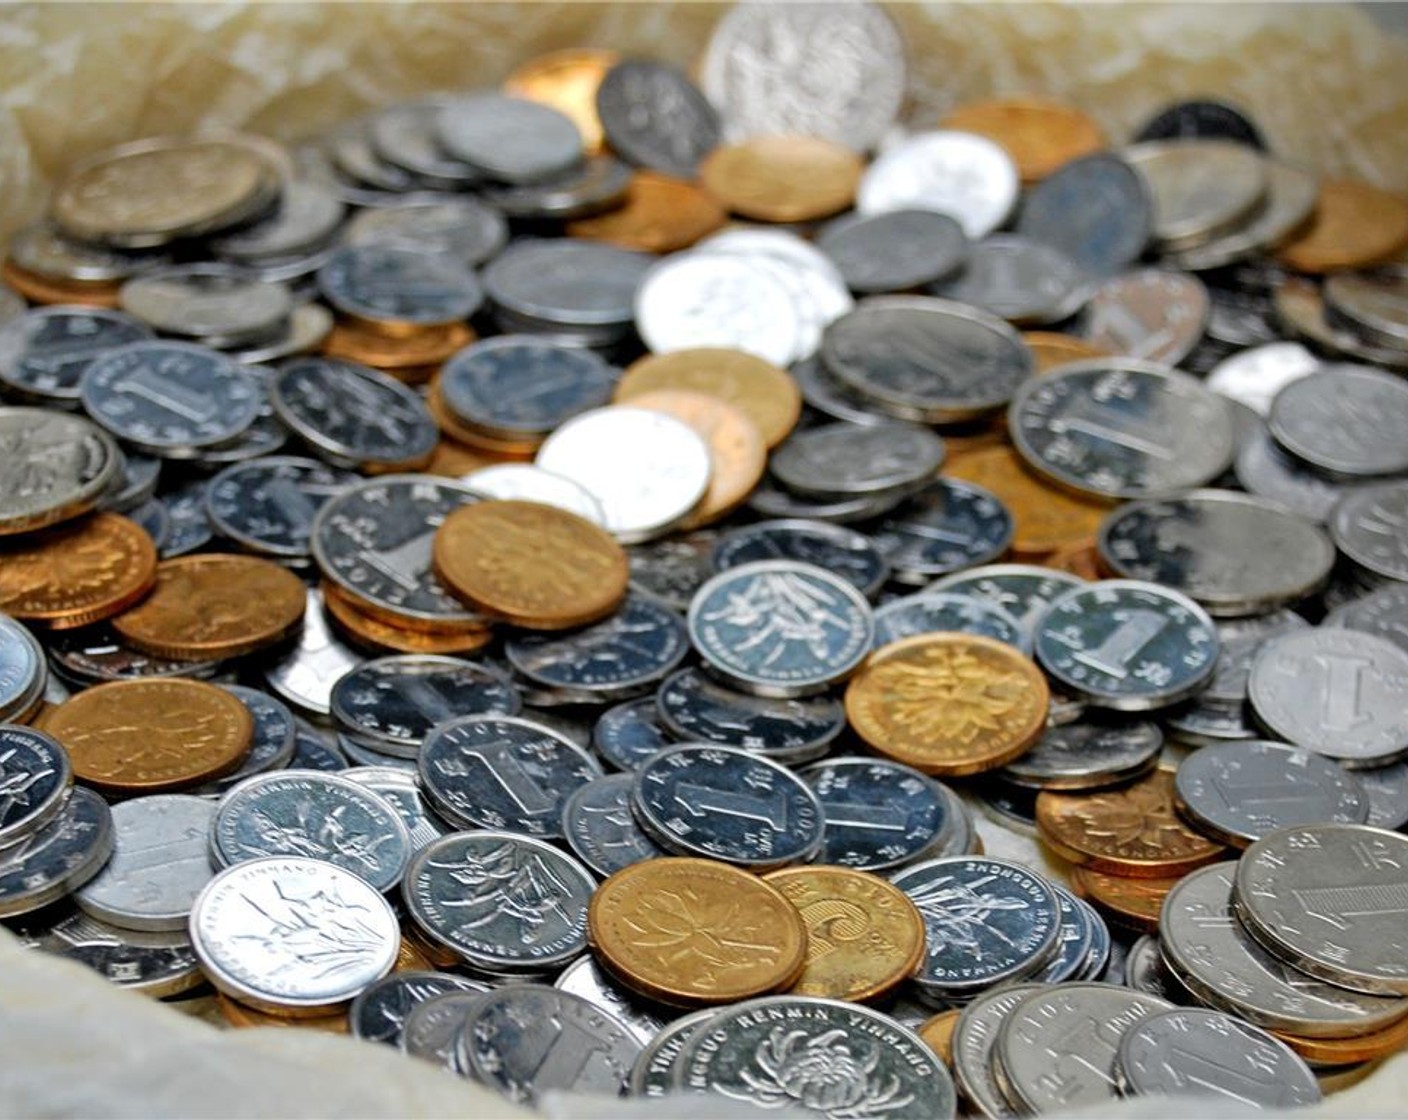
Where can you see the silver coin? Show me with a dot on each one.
(1022, 590)
(1127, 645)
(135, 483)
(1264, 470)
(1096, 209)
(1194, 1052)
(1233, 554)
(1329, 898)
(1145, 971)
(304, 677)
(961, 174)
(505, 903)
(824, 394)
(463, 229)
(630, 733)
(160, 863)
(1024, 281)
(565, 283)
(215, 303)
(405, 136)
(601, 831)
(1336, 692)
(157, 965)
(1090, 755)
(817, 1057)
(988, 921)
(311, 751)
(928, 611)
(306, 219)
(1058, 1047)
(1122, 429)
(893, 251)
(879, 815)
(974, 1042)
(265, 436)
(23, 671)
(376, 282)
(432, 1027)
(692, 707)
(291, 934)
(1300, 310)
(850, 460)
(1344, 420)
(1200, 188)
(528, 1041)
(773, 501)
(510, 139)
(364, 757)
(1291, 194)
(56, 467)
(1076, 940)
(647, 470)
(1383, 613)
(600, 184)
(58, 857)
(401, 788)
(653, 1074)
(842, 551)
(1370, 527)
(41, 249)
(1374, 304)
(525, 482)
(268, 505)
(672, 569)
(1387, 787)
(948, 525)
(585, 978)
(35, 777)
(653, 115)
(780, 628)
(1254, 376)
(380, 1011)
(275, 733)
(1152, 315)
(44, 352)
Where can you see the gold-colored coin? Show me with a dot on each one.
(567, 81)
(353, 623)
(1355, 225)
(1134, 904)
(695, 932)
(505, 450)
(1039, 135)
(661, 215)
(76, 573)
(1082, 559)
(864, 936)
(1051, 349)
(783, 178)
(768, 396)
(534, 565)
(1044, 517)
(151, 734)
(350, 339)
(1133, 830)
(240, 1016)
(947, 703)
(937, 1034)
(736, 449)
(44, 290)
(1344, 1051)
(411, 957)
(214, 606)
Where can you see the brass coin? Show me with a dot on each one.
(1343, 1051)
(661, 215)
(240, 1016)
(694, 932)
(534, 565)
(783, 178)
(1045, 518)
(1051, 349)
(1039, 135)
(214, 606)
(1133, 830)
(736, 448)
(937, 1034)
(76, 573)
(42, 290)
(947, 703)
(152, 734)
(765, 394)
(412, 958)
(430, 346)
(1354, 225)
(864, 936)
(567, 81)
(362, 629)
(1132, 903)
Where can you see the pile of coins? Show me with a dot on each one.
(544, 578)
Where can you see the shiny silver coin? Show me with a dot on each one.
(23, 670)
(218, 304)
(1370, 527)
(640, 644)
(401, 788)
(653, 1074)
(57, 467)
(528, 1040)
(35, 777)
(780, 628)
(505, 903)
(1291, 194)
(947, 526)
(1022, 590)
(974, 1042)
(586, 979)
(1076, 940)
(1145, 971)
(510, 139)
(1096, 209)
(1026, 282)
(879, 815)
(1268, 472)
(1058, 1048)
(1098, 958)
(1200, 188)
(820, 1057)
(1383, 613)
(845, 552)
(380, 1011)
(1122, 429)
(674, 568)
(1208, 1053)
(266, 932)
(398, 285)
(462, 229)
(600, 829)
(1254, 376)
(431, 1031)
(160, 863)
(989, 921)
(893, 251)
(1088, 755)
(1233, 554)
(268, 505)
(1241, 792)
(44, 352)
(1336, 692)
(1127, 645)
(316, 816)
(58, 857)
(928, 611)
(1344, 420)
(849, 461)
(304, 677)
(525, 482)
(961, 174)
(1327, 899)
(1151, 315)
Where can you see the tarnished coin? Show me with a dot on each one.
(505, 903)
(57, 858)
(638, 645)
(1152, 315)
(1026, 282)
(1374, 304)
(600, 829)
(1202, 118)
(44, 353)
(399, 286)
(757, 936)
(1087, 755)
(893, 251)
(974, 1042)
(1336, 692)
(694, 708)
(1020, 590)
(1368, 527)
(1344, 420)
(839, 550)
(780, 628)
(879, 814)
(268, 505)
(379, 1012)
(266, 930)
(960, 174)
(1383, 613)
(35, 778)
(1096, 209)
(929, 611)
(1200, 188)
(157, 965)
(947, 526)
(840, 461)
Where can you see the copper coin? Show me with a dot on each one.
(1039, 135)
(948, 703)
(362, 629)
(152, 734)
(240, 1017)
(661, 215)
(213, 606)
(42, 290)
(411, 958)
(567, 81)
(765, 394)
(1355, 225)
(76, 573)
(1051, 349)
(429, 346)
(1343, 1051)
(695, 932)
(1132, 830)
(520, 450)
(937, 1034)
(1081, 559)
(864, 936)
(536, 566)
(783, 178)
(1132, 903)
(1045, 518)
(736, 448)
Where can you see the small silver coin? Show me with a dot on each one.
(267, 931)
(58, 857)
(586, 979)
(928, 611)
(1022, 590)
(379, 283)
(1344, 420)
(879, 815)
(364, 757)
(974, 1042)
(1151, 315)
(947, 526)
(1370, 527)
(1208, 1053)
(35, 777)
(600, 829)
(628, 734)
(160, 863)
(528, 1040)
(379, 1012)
(1096, 209)
(1010, 805)
(1200, 188)
(842, 551)
(1202, 118)
(268, 505)
(1076, 940)
(1348, 879)
(893, 251)
(1024, 281)
(773, 501)
(1336, 692)
(961, 174)
(1127, 645)
(158, 965)
(653, 1074)
(1087, 755)
(44, 352)
(94, 654)
(463, 229)
(304, 677)
(823, 393)
(431, 1030)
(510, 139)
(780, 628)
(989, 921)
(401, 788)
(218, 304)
(1099, 956)
(842, 461)
(641, 643)
(41, 249)
(57, 467)
(811, 1055)
(1058, 1048)
(506, 903)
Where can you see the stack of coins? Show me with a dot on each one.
(601, 554)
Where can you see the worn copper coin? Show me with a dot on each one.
(662, 214)
(1132, 903)
(1039, 135)
(783, 178)
(1354, 225)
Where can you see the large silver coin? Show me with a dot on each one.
(1337, 692)
(1345, 420)
(1087, 755)
(961, 174)
(1330, 899)
(975, 1040)
(1370, 526)
(52, 467)
(292, 935)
